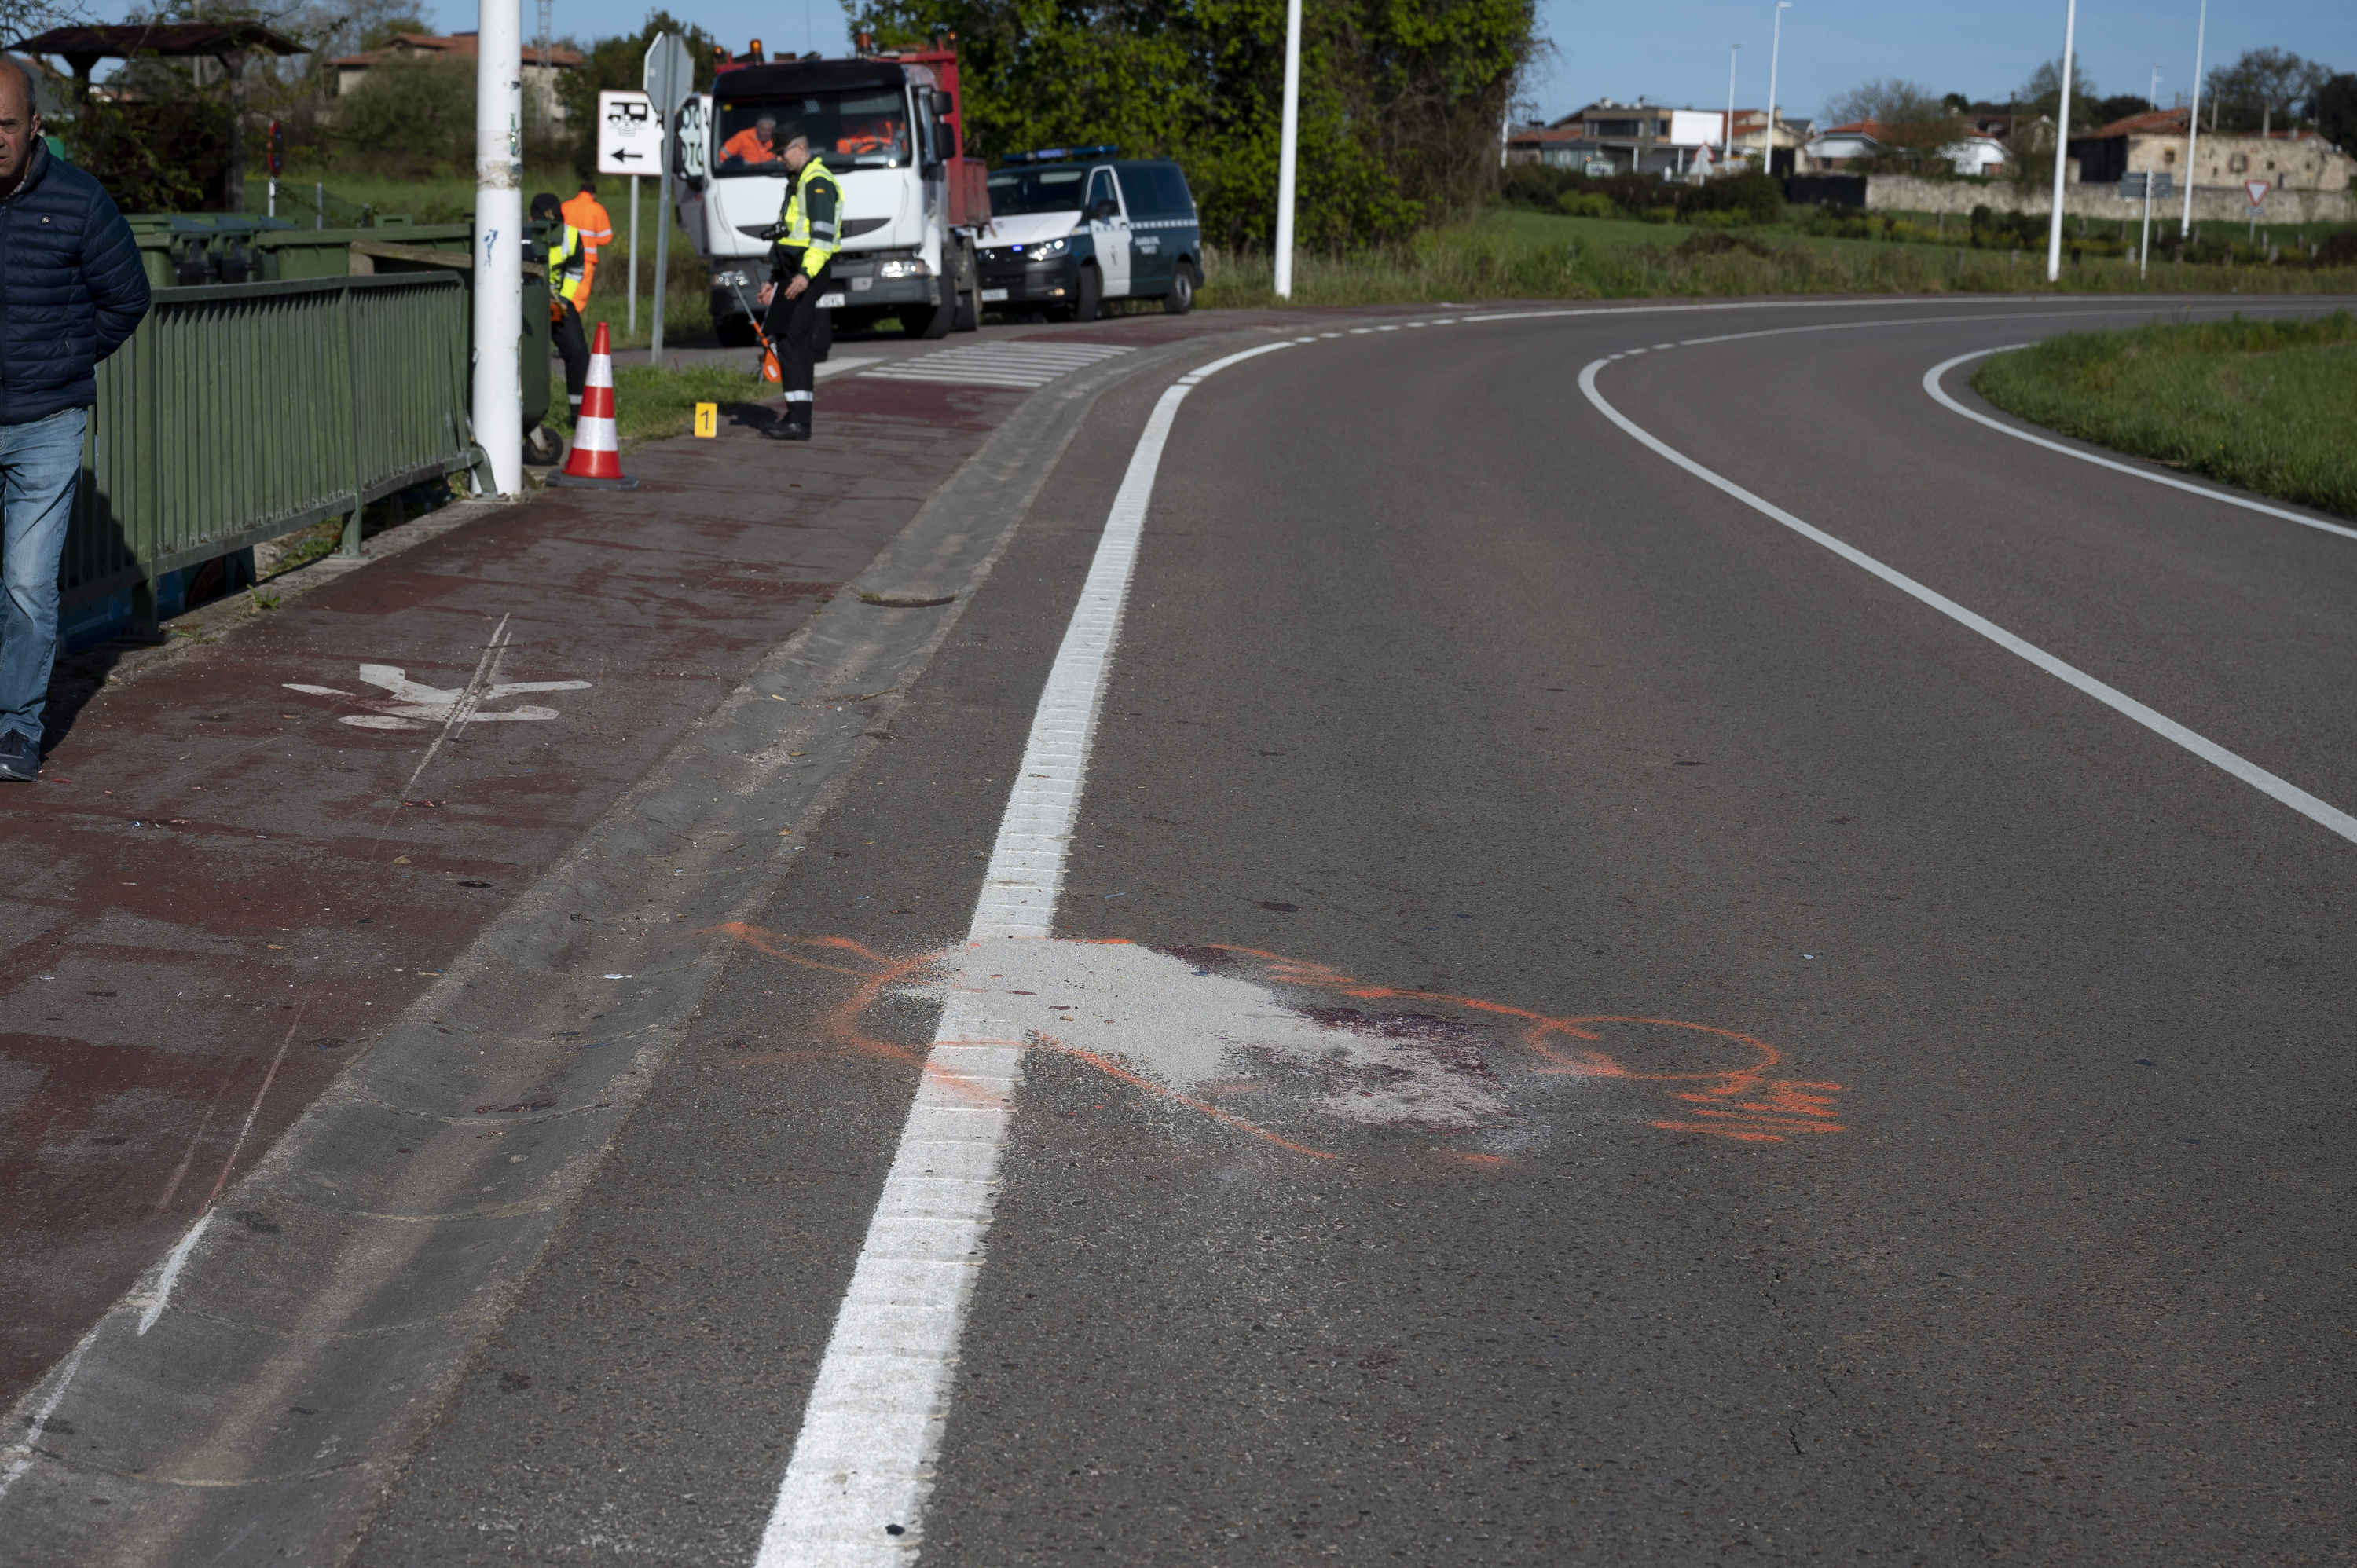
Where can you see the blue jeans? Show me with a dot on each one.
(40, 462)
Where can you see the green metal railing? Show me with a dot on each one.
(241, 412)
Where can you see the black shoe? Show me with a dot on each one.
(20, 759)
(786, 429)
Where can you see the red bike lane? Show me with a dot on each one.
(226, 885)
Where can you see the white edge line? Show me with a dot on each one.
(2299, 799)
(1940, 396)
(855, 1489)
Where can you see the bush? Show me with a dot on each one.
(1753, 197)
(410, 117)
(1586, 204)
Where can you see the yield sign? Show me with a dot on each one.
(2259, 190)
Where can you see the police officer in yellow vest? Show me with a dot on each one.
(568, 291)
(809, 231)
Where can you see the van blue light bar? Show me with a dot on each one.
(1060, 154)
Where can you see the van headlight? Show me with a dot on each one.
(1044, 248)
(903, 267)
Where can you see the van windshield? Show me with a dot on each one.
(1018, 190)
(866, 127)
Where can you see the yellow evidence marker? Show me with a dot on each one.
(707, 419)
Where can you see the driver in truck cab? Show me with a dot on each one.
(808, 233)
(755, 145)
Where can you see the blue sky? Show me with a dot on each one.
(1676, 51)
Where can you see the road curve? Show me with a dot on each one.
(1577, 1023)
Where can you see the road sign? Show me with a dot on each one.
(670, 72)
(2259, 190)
(2156, 184)
(629, 137)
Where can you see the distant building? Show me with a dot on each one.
(2154, 141)
(540, 82)
(1968, 152)
(1608, 137)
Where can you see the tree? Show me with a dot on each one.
(1888, 101)
(2043, 93)
(2258, 90)
(2119, 106)
(2334, 109)
(1401, 100)
(410, 115)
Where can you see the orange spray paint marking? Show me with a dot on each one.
(1739, 1101)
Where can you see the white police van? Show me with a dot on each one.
(1072, 227)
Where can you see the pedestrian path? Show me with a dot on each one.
(1022, 363)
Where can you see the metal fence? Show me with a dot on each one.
(241, 412)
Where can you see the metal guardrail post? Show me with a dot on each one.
(350, 543)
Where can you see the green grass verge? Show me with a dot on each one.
(650, 405)
(2266, 406)
(1517, 254)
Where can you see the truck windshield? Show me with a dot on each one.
(1015, 191)
(866, 127)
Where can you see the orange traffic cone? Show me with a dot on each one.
(596, 460)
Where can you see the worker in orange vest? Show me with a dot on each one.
(584, 214)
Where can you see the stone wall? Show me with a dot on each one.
(2211, 203)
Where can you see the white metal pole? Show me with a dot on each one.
(499, 240)
(2144, 248)
(2193, 120)
(668, 123)
(273, 196)
(634, 255)
(1727, 141)
(1289, 135)
(1775, 51)
(2061, 142)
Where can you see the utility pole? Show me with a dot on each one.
(1289, 136)
(547, 26)
(2061, 141)
(2153, 95)
(2194, 121)
(498, 241)
(1727, 141)
(1775, 50)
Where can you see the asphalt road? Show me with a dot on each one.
(1638, 1041)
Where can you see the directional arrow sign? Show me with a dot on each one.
(629, 137)
(2259, 190)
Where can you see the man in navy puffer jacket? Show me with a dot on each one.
(72, 293)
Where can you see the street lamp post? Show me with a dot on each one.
(1727, 141)
(2061, 142)
(2194, 121)
(498, 383)
(1775, 49)
(1287, 136)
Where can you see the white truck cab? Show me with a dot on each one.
(886, 127)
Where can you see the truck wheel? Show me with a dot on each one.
(1181, 297)
(1092, 292)
(927, 325)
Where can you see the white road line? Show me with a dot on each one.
(1939, 395)
(854, 1490)
(2299, 799)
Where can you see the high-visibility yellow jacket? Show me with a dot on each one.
(812, 218)
(568, 269)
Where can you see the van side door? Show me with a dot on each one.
(1150, 249)
(1109, 230)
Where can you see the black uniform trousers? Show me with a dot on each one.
(574, 345)
(793, 326)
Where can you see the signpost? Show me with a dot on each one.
(2258, 191)
(670, 76)
(2148, 186)
(630, 141)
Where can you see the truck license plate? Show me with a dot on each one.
(830, 301)
(994, 296)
